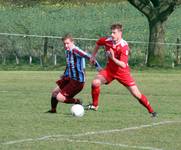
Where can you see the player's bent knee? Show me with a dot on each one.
(60, 97)
(96, 82)
(54, 93)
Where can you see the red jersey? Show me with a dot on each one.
(121, 51)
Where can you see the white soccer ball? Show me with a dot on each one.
(77, 110)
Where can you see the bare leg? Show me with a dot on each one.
(140, 97)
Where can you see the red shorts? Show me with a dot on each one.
(69, 87)
(124, 78)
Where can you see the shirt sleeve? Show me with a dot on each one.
(81, 53)
(101, 41)
(83, 61)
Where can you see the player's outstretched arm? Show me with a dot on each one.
(82, 53)
(94, 53)
(98, 66)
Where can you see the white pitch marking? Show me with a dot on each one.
(125, 129)
(110, 144)
(4, 91)
(18, 141)
(95, 133)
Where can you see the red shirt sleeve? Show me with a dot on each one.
(101, 41)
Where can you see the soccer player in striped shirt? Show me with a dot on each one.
(117, 68)
(73, 79)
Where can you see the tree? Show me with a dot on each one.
(157, 13)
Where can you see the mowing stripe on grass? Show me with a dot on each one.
(58, 137)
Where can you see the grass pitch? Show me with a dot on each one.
(121, 122)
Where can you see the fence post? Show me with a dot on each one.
(177, 52)
(45, 51)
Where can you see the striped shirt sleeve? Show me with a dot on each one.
(81, 53)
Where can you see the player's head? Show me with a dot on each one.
(116, 31)
(68, 41)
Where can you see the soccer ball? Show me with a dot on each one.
(77, 110)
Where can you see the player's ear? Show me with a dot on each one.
(72, 40)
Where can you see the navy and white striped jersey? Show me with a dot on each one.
(75, 64)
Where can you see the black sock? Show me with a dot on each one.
(54, 102)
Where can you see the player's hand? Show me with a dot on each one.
(99, 69)
(110, 53)
(92, 60)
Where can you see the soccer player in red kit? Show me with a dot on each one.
(117, 51)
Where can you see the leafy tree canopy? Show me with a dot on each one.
(28, 3)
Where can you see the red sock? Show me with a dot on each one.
(144, 101)
(72, 101)
(95, 95)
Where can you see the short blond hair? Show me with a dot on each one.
(67, 36)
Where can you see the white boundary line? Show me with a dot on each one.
(119, 130)
(85, 39)
(110, 144)
(4, 91)
(68, 138)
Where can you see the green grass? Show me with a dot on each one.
(25, 97)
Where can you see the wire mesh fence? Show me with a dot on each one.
(49, 50)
